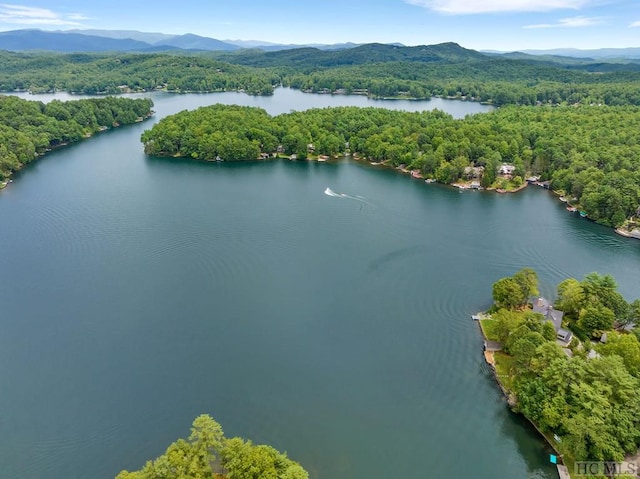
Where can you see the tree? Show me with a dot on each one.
(627, 347)
(506, 322)
(243, 460)
(527, 280)
(507, 293)
(523, 350)
(193, 459)
(185, 459)
(596, 319)
(603, 289)
(634, 314)
(571, 296)
(446, 173)
(548, 331)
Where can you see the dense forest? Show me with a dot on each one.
(208, 454)
(591, 153)
(451, 71)
(97, 73)
(30, 128)
(377, 70)
(588, 395)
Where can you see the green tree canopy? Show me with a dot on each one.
(208, 454)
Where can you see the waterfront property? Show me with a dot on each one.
(543, 306)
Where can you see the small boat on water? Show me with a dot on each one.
(573, 209)
(583, 214)
(563, 199)
(430, 180)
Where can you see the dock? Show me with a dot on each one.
(563, 472)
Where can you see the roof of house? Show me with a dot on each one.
(544, 307)
(492, 345)
(564, 334)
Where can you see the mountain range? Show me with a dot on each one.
(135, 41)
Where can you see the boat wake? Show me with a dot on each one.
(329, 192)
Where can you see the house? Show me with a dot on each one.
(506, 169)
(546, 309)
(564, 335)
(473, 172)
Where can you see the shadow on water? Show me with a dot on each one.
(533, 449)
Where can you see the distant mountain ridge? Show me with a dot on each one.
(20, 40)
(599, 53)
(68, 41)
(360, 55)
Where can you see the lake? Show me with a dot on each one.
(139, 292)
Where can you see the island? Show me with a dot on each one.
(207, 453)
(575, 150)
(571, 367)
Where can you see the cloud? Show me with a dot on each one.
(635, 24)
(23, 15)
(461, 7)
(573, 22)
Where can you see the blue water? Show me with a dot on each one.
(139, 292)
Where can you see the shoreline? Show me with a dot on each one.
(563, 471)
(4, 183)
(633, 234)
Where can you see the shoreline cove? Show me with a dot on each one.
(61, 146)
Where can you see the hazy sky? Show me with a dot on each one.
(478, 24)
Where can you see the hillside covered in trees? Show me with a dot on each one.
(590, 152)
(448, 70)
(377, 70)
(30, 128)
(101, 73)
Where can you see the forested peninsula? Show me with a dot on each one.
(207, 453)
(590, 153)
(581, 390)
(31, 128)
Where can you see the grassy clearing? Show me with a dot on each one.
(504, 366)
(489, 328)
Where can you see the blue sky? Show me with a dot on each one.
(479, 24)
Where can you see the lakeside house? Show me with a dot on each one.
(506, 169)
(473, 172)
(543, 306)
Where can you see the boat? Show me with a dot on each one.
(430, 180)
(563, 199)
(573, 209)
(583, 214)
